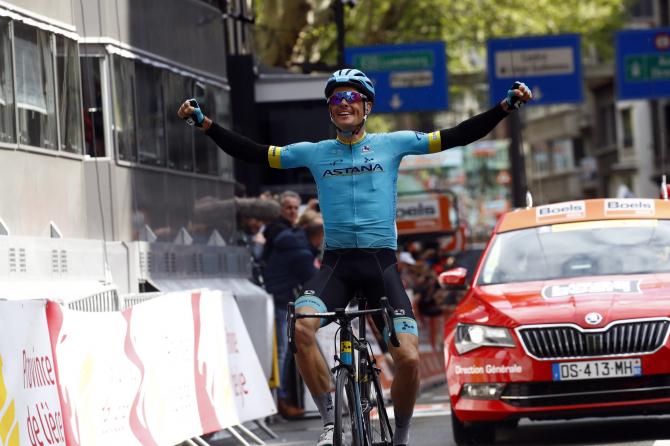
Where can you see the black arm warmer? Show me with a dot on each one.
(472, 129)
(238, 146)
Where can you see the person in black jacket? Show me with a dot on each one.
(289, 203)
(290, 264)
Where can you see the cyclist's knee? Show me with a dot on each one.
(305, 331)
(407, 355)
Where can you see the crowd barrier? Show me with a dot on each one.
(255, 304)
(171, 368)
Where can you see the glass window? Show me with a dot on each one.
(627, 126)
(607, 125)
(642, 8)
(69, 95)
(540, 155)
(35, 96)
(7, 121)
(124, 108)
(206, 151)
(561, 157)
(150, 111)
(179, 135)
(94, 129)
(223, 117)
(586, 248)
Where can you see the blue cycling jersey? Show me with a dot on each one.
(357, 183)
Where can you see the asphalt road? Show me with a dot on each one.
(432, 427)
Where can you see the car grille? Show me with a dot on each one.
(562, 393)
(620, 338)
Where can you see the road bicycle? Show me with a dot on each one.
(360, 412)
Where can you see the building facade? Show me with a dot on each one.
(603, 147)
(90, 144)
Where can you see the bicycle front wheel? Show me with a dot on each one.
(347, 413)
(378, 426)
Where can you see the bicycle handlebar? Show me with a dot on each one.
(341, 314)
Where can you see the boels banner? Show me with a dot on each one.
(422, 214)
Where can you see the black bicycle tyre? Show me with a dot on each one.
(344, 433)
(378, 428)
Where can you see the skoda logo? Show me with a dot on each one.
(593, 318)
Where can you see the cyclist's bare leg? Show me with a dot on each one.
(314, 372)
(311, 364)
(405, 385)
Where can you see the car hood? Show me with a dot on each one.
(571, 300)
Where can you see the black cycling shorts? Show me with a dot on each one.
(371, 272)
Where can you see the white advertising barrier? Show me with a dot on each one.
(30, 412)
(110, 380)
(250, 385)
(157, 373)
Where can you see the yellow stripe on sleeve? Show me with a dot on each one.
(274, 157)
(434, 142)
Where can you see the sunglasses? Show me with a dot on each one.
(349, 96)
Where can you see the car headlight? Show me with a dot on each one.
(470, 337)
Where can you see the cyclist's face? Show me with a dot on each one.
(347, 116)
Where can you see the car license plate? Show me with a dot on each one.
(611, 368)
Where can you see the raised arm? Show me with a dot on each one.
(480, 125)
(232, 143)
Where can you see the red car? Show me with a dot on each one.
(567, 316)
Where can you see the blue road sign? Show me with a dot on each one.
(643, 63)
(549, 65)
(407, 77)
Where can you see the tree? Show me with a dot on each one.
(301, 33)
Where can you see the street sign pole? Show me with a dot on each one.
(338, 9)
(517, 163)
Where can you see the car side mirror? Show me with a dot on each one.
(454, 279)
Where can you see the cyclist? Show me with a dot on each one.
(356, 176)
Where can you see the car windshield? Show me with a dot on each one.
(592, 248)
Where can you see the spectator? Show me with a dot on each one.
(289, 203)
(429, 308)
(311, 222)
(252, 215)
(290, 264)
(313, 204)
(266, 195)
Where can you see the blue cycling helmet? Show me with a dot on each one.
(353, 78)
